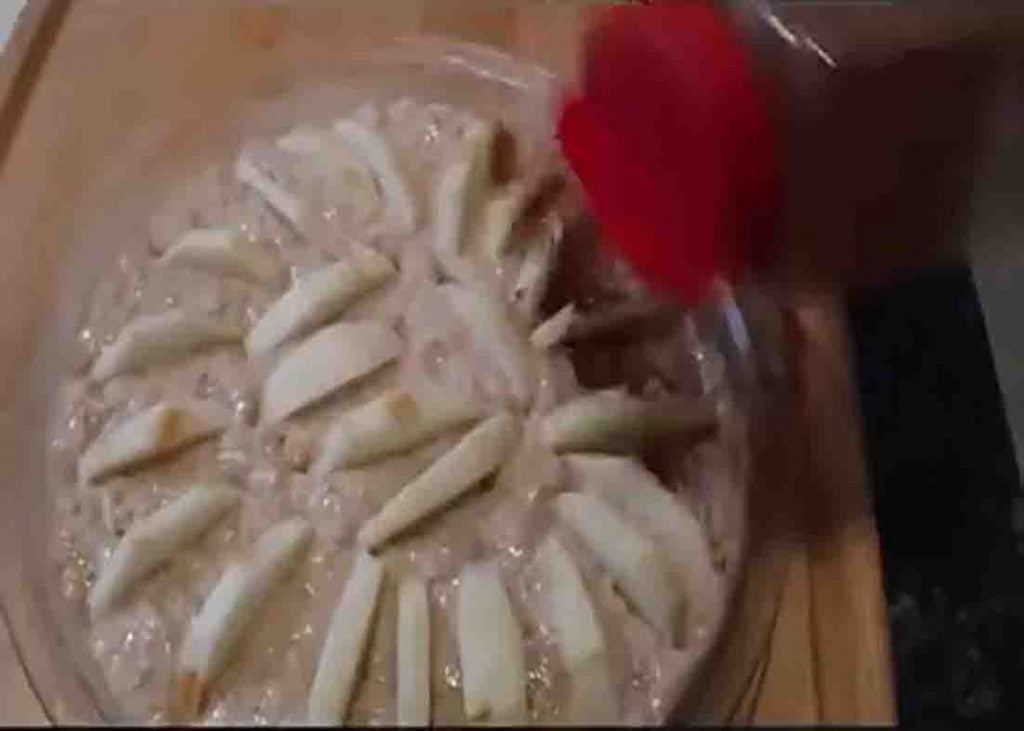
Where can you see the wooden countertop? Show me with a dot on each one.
(828, 659)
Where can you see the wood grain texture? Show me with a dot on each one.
(852, 660)
(788, 693)
(827, 658)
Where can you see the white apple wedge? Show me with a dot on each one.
(378, 156)
(231, 606)
(150, 340)
(301, 140)
(553, 330)
(631, 559)
(281, 201)
(345, 644)
(631, 488)
(450, 216)
(496, 335)
(569, 612)
(497, 217)
(613, 421)
(340, 171)
(333, 357)
(491, 652)
(155, 539)
(412, 696)
(481, 141)
(478, 454)
(390, 424)
(224, 252)
(150, 434)
(317, 298)
(541, 255)
(459, 196)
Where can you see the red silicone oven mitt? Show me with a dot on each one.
(670, 139)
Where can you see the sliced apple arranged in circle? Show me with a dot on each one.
(345, 643)
(576, 631)
(490, 649)
(149, 435)
(477, 455)
(377, 154)
(391, 424)
(614, 421)
(397, 443)
(317, 298)
(223, 252)
(231, 607)
(317, 367)
(412, 694)
(151, 340)
(635, 563)
(156, 538)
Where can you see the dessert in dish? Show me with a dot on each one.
(376, 433)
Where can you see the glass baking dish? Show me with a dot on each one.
(734, 339)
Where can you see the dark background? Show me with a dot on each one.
(947, 494)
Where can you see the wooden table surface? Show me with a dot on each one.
(828, 659)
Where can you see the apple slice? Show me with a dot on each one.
(234, 602)
(333, 357)
(224, 252)
(497, 218)
(341, 172)
(459, 197)
(490, 649)
(345, 644)
(301, 140)
(317, 298)
(413, 664)
(632, 560)
(553, 330)
(155, 539)
(153, 339)
(613, 421)
(477, 455)
(496, 335)
(625, 483)
(450, 216)
(150, 434)
(574, 626)
(539, 260)
(391, 424)
(281, 201)
(377, 154)
(482, 142)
